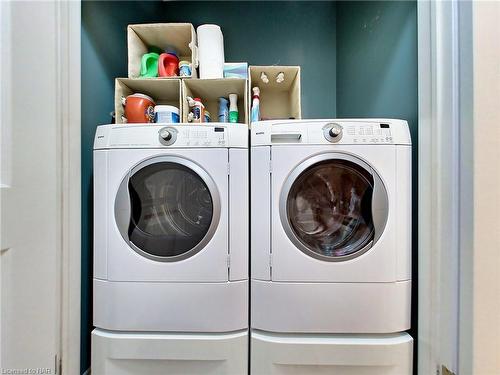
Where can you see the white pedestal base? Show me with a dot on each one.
(115, 353)
(318, 354)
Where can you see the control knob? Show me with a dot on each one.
(333, 132)
(165, 135)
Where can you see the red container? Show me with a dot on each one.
(139, 108)
(168, 65)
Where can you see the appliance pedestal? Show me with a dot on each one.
(131, 353)
(317, 354)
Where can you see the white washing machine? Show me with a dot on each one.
(170, 237)
(330, 222)
(330, 232)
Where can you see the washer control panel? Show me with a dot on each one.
(369, 133)
(331, 131)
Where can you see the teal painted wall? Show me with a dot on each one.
(353, 65)
(377, 77)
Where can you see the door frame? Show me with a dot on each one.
(439, 187)
(66, 61)
(459, 86)
(68, 31)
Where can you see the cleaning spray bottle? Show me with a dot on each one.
(255, 115)
(223, 110)
(233, 108)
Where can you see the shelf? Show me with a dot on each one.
(162, 91)
(209, 91)
(277, 100)
(180, 37)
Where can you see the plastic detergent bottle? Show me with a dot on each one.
(255, 115)
(223, 110)
(198, 110)
(233, 108)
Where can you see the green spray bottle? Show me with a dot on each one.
(233, 108)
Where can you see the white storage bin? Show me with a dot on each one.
(317, 354)
(162, 91)
(130, 353)
(179, 36)
(209, 91)
(277, 100)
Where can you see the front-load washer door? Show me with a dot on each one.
(170, 212)
(333, 208)
(326, 207)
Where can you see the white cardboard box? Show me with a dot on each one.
(179, 36)
(277, 100)
(162, 91)
(209, 91)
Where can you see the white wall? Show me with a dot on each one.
(485, 254)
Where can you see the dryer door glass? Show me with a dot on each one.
(172, 210)
(329, 210)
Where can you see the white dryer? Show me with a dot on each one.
(171, 228)
(330, 226)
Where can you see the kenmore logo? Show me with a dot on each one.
(259, 133)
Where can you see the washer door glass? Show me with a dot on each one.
(171, 210)
(329, 210)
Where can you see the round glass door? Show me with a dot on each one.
(173, 210)
(327, 207)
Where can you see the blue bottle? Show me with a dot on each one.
(223, 109)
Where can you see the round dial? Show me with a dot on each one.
(332, 132)
(167, 136)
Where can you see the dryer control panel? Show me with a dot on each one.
(203, 137)
(171, 136)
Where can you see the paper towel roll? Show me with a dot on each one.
(210, 51)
